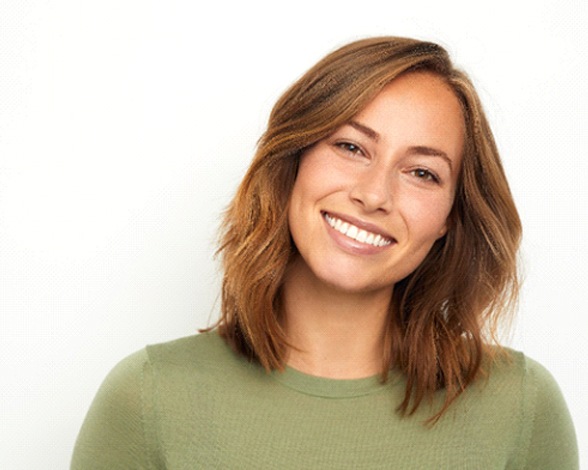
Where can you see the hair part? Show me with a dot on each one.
(443, 316)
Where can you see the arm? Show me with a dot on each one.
(118, 431)
(552, 444)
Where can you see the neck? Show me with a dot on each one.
(333, 333)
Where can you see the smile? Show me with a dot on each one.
(356, 233)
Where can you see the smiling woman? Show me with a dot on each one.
(391, 172)
(368, 255)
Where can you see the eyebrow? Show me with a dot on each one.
(416, 150)
(430, 152)
(368, 131)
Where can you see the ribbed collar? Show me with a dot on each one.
(332, 388)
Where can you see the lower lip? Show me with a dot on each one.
(353, 246)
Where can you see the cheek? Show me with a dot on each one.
(427, 217)
(304, 180)
(315, 180)
(302, 202)
(301, 197)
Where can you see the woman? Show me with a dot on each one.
(368, 254)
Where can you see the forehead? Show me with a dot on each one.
(417, 108)
(418, 94)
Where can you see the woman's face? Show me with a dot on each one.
(370, 200)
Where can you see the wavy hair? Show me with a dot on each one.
(443, 316)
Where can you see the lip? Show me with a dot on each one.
(360, 224)
(353, 246)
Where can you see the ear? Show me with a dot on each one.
(450, 222)
(443, 231)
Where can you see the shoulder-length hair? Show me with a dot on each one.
(442, 316)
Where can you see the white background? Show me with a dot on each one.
(125, 127)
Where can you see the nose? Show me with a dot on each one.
(372, 190)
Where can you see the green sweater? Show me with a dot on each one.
(193, 403)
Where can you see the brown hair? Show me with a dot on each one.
(442, 315)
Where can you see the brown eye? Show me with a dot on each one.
(425, 175)
(350, 148)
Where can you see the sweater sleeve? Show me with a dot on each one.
(552, 441)
(118, 431)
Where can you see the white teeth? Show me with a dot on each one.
(356, 233)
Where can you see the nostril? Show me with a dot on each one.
(372, 196)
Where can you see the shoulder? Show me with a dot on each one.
(201, 348)
(546, 433)
(522, 374)
(196, 351)
(116, 432)
(199, 361)
(506, 364)
(202, 355)
(202, 363)
(149, 389)
(514, 374)
(159, 369)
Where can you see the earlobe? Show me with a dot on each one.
(442, 232)
(450, 223)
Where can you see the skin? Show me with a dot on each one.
(392, 171)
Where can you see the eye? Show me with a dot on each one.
(425, 175)
(350, 148)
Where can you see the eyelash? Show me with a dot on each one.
(425, 175)
(346, 147)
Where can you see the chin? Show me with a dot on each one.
(353, 282)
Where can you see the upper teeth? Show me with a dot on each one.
(356, 233)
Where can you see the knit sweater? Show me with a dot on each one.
(193, 403)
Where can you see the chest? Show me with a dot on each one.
(274, 427)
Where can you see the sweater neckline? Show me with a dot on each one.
(331, 388)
